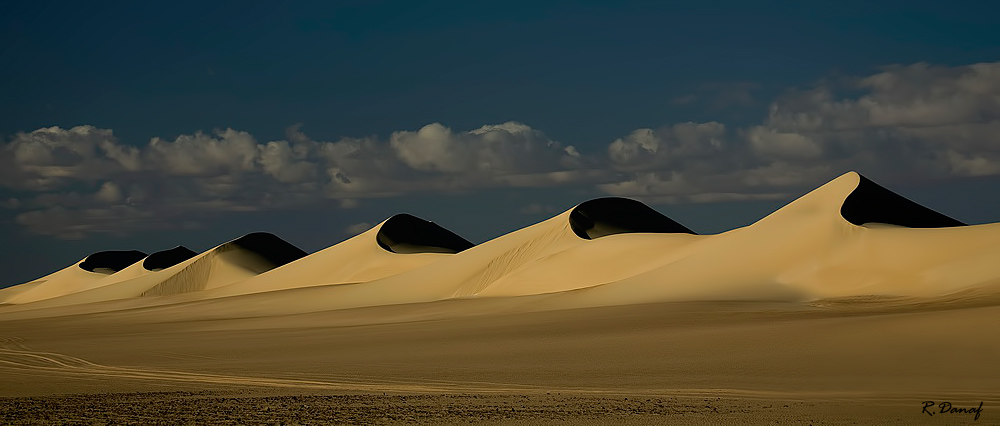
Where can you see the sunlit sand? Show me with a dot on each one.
(850, 304)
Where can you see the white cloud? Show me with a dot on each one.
(287, 163)
(669, 147)
(226, 152)
(76, 224)
(770, 143)
(501, 149)
(109, 193)
(357, 228)
(85, 169)
(903, 120)
(50, 157)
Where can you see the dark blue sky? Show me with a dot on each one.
(584, 73)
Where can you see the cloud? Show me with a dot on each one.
(87, 171)
(508, 148)
(904, 120)
(74, 224)
(109, 193)
(669, 147)
(11, 203)
(51, 157)
(924, 120)
(349, 203)
(357, 228)
(790, 146)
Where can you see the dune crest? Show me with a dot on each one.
(848, 238)
(483, 270)
(166, 258)
(109, 262)
(239, 259)
(869, 203)
(406, 234)
(233, 261)
(72, 279)
(810, 249)
(397, 244)
(613, 215)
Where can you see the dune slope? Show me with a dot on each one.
(810, 249)
(398, 244)
(72, 279)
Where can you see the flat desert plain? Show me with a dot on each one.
(479, 361)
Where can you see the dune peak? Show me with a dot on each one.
(167, 258)
(613, 215)
(404, 233)
(870, 202)
(109, 262)
(267, 246)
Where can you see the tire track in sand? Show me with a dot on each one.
(15, 357)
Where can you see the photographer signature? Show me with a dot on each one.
(947, 408)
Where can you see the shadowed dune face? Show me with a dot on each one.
(267, 247)
(611, 215)
(871, 203)
(167, 258)
(109, 262)
(404, 233)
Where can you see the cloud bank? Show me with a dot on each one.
(914, 120)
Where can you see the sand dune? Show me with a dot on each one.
(152, 263)
(233, 261)
(404, 233)
(810, 249)
(75, 278)
(109, 262)
(612, 215)
(850, 237)
(164, 259)
(230, 262)
(870, 203)
(492, 267)
(398, 244)
(851, 298)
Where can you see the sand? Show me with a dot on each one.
(812, 315)
(824, 361)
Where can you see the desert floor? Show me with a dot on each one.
(852, 361)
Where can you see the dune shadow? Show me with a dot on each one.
(269, 247)
(109, 262)
(612, 215)
(871, 203)
(167, 258)
(404, 233)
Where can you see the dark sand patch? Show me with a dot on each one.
(215, 408)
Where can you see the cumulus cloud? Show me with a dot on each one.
(357, 228)
(226, 152)
(74, 224)
(67, 178)
(109, 193)
(670, 147)
(907, 120)
(51, 157)
(507, 148)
